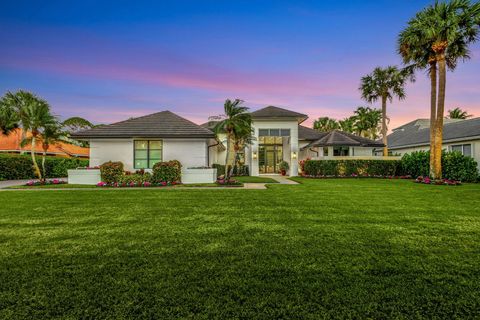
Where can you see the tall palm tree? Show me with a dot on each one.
(236, 122)
(9, 119)
(347, 124)
(384, 84)
(325, 124)
(458, 113)
(367, 122)
(443, 31)
(33, 115)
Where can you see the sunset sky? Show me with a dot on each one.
(119, 59)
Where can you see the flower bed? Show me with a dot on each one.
(144, 184)
(447, 182)
(44, 183)
(229, 183)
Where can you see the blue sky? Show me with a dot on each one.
(112, 60)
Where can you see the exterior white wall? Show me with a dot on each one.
(190, 152)
(475, 148)
(217, 155)
(361, 151)
(354, 152)
(275, 124)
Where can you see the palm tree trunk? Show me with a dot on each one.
(35, 164)
(433, 112)
(227, 158)
(44, 154)
(384, 125)
(442, 82)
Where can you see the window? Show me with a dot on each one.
(273, 132)
(147, 153)
(465, 149)
(325, 151)
(340, 151)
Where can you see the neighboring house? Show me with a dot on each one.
(458, 135)
(11, 144)
(278, 136)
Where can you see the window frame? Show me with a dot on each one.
(463, 148)
(148, 152)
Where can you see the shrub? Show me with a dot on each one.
(15, 167)
(220, 169)
(134, 178)
(170, 171)
(284, 166)
(455, 166)
(111, 171)
(241, 170)
(352, 168)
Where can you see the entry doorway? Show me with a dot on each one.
(269, 158)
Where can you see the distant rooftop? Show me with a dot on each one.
(276, 112)
(340, 138)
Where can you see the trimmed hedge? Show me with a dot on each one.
(220, 169)
(170, 171)
(353, 167)
(15, 166)
(111, 171)
(455, 166)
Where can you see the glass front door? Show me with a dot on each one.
(269, 158)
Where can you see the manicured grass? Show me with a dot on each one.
(55, 186)
(249, 179)
(339, 248)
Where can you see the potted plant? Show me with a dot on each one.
(284, 167)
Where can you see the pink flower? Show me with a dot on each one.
(163, 183)
(147, 184)
(101, 184)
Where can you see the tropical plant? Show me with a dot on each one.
(236, 122)
(347, 124)
(325, 124)
(9, 119)
(33, 115)
(437, 38)
(458, 113)
(367, 122)
(385, 84)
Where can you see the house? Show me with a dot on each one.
(278, 136)
(458, 135)
(12, 144)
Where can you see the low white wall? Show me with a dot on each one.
(85, 176)
(199, 175)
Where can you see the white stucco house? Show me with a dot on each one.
(458, 135)
(278, 136)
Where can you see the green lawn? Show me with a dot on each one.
(251, 179)
(339, 248)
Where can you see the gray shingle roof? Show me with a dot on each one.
(276, 112)
(418, 132)
(340, 138)
(164, 124)
(310, 134)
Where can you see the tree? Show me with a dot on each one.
(325, 124)
(458, 113)
(75, 124)
(347, 124)
(367, 122)
(439, 36)
(9, 119)
(236, 122)
(33, 115)
(384, 84)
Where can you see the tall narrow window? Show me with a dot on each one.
(147, 153)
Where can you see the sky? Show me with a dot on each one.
(111, 60)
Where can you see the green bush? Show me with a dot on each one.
(241, 170)
(455, 166)
(220, 169)
(352, 167)
(135, 178)
(170, 171)
(111, 171)
(15, 166)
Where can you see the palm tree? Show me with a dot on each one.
(439, 36)
(33, 115)
(325, 124)
(458, 113)
(8, 117)
(347, 124)
(236, 122)
(367, 122)
(384, 84)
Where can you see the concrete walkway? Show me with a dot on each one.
(280, 179)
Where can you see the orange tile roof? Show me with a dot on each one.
(11, 143)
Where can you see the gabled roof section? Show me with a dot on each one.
(305, 133)
(164, 124)
(272, 112)
(417, 132)
(340, 138)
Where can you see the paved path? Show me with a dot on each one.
(280, 179)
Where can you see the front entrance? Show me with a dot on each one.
(269, 158)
